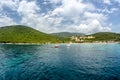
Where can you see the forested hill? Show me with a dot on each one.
(106, 36)
(67, 34)
(24, 34)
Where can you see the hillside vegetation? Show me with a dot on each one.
(67, 34)
(106, 36)
(24, 34)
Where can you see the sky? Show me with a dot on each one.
(81, 16)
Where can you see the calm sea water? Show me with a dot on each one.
(44, 62)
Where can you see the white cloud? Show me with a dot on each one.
(117, 1)
(99, 16)
(53, 1)
(108, 11)
(71, 15)
(5, 20)
(107, 2)
(92, 27)
(26, 8)
(83, 16)
(30, 17)
(71, 8)
(13, 4)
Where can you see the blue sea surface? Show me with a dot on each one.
(44, 62)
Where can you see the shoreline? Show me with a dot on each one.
(23, 43)
(61, 43)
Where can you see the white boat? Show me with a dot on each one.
(56, 46)
(68, 45)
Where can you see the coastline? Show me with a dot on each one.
(23, 43)
(61, 43)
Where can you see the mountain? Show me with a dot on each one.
(24, 34)
(67, 34)
(106, 36)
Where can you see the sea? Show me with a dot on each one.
(86, 61)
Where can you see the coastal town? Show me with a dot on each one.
(81, 39)
(89, 39)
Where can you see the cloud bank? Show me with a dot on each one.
(57, 15)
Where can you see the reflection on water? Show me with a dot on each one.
(44, 62)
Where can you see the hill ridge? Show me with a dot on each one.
(24, 34)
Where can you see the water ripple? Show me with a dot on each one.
(44, 62)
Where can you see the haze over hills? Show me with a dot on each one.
(24, 34)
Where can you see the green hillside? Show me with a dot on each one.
(106, 36)
(24, 34)
(67, 34)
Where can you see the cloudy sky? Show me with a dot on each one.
(84, 16)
